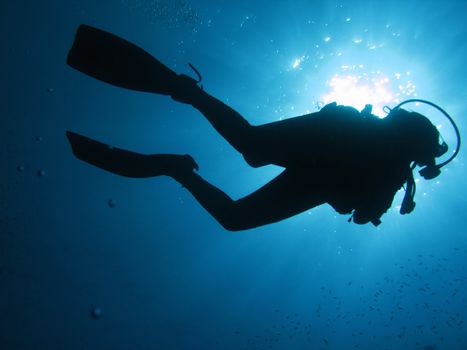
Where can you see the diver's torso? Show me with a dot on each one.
(350, 155)
(336, 137)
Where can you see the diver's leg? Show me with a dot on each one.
(286, 195)
(283, 197)
(227, 122)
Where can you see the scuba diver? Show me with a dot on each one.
(352, 160)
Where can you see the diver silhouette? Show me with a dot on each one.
(352, 160)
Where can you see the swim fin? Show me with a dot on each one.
(106, 157)
(127, 163)
(116, 61)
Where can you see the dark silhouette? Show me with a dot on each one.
(352, 160)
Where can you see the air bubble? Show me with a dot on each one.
(96, 313)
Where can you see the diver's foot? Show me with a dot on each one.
(185, 163)
(187, 90)
(174, 165)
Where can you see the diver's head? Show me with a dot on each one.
(417, 136)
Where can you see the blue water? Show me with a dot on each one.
(151, 269)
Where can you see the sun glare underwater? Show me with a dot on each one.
(360, 69)
(90, 260)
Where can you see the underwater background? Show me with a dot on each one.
(90, 260)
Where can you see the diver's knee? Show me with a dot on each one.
(252, 147)
(231, 227)
(235, 226)
(234, 219)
